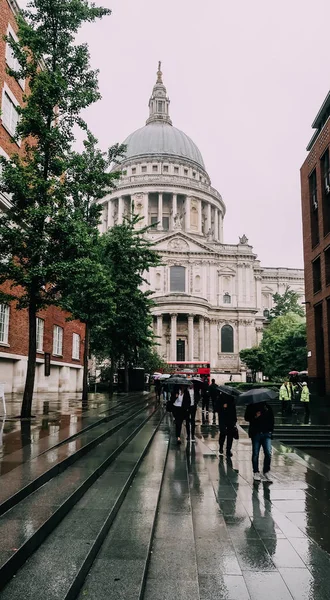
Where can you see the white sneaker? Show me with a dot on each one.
(267, 477)
(256, 476)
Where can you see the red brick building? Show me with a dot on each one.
(315, 193)
(63, 340)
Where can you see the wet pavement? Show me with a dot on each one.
(140, 518)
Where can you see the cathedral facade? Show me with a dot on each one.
(212, 299)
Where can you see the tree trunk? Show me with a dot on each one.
(112, 372)
(31, 366)
(85, 376)
(126, 378)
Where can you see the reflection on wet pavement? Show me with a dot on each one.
(252, 540)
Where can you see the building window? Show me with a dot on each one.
(314, 206)
(4, 323)
(227, 339)
(76, 346)
(177, 279)
(317, 284)
(144, 169)
(266, 313)
(133, 170)
(327, 266)
(176, 170)
(325, 174)
(58, 340)
(40, 334)
(165, 168)
(194, 174)
(155, 168)
(153, 220)
(186, 171)
(227, 298)
(9, 113)
(11, 61)
(166, 223)
(160, 106)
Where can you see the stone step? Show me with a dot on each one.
(59, 567)
(120, 568)
(27, 524)
(28, 477)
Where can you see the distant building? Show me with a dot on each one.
(63, 340)
(315, 195)
(212, 299)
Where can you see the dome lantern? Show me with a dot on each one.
(159, 102)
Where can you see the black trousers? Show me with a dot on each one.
(180, 415)
(226, 431)
(191, 421)
(205, 403)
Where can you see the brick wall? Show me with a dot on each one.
(313, 299)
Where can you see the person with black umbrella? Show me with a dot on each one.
(181, 406)
(260, 416)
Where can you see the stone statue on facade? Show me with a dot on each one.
(178, 221)
(209, 235)
(243, 240)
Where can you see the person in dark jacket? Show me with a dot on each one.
(213, 391)
(261, 419)
(191, 422)
(180, 409)
(205, 397)
(227, 422)
(158, 387)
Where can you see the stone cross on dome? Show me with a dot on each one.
(159, 102)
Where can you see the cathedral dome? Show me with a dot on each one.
(158, 138)
(162, 139)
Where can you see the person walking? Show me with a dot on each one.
(213, 392)
(286, 397)
(261, 419)
(181, 406)
(227, 422)
(205, 397)
(305, 399)
(158, 387)
(191, 421)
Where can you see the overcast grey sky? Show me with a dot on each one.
(245, 79)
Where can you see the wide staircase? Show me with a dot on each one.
(303, 436)
(83, 504)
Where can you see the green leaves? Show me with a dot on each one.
(284, 346)
(286, 303)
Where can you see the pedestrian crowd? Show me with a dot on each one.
(182, 401)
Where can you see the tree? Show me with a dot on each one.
(284, 346)
(128, 255)
(150, 360)
(61, 85)
(286, 303)
(85, 285)
(253, 359)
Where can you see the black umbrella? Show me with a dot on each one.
(178, 381)
(255, 396)
(227, 389)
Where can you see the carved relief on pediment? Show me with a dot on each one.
(178, 244)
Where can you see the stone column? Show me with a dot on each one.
(201, 338)
(110, 214)
(191, 337)
(220, 227)
(213, 342)
(208, 217)
(146, 209)
(199, 206)
(159, 333)
(120, 209)
(160, 211)
(174, 209)
(207, 340)
(216, 224)
(173, 336)
(187, 213)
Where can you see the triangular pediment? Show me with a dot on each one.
(226, 270)
(267, 289)
(181, 242)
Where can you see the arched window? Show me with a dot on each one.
(227, 339)
(266, 313)
(177, 279)
(197, 283)
(227, 298)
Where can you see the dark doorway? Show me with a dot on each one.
(180, 350)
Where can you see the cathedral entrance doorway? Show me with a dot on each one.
(180, 350)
